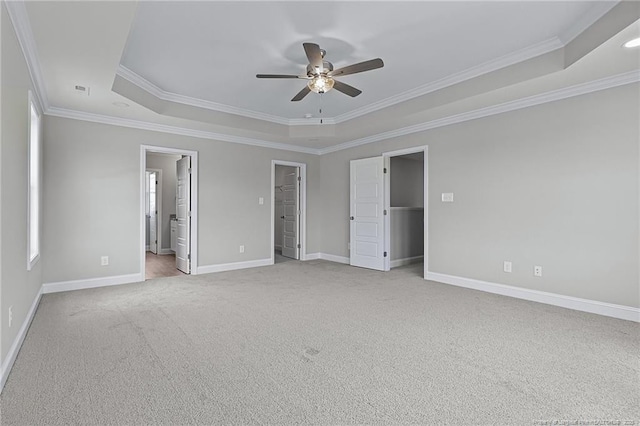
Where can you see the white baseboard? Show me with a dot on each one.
(406, 261)
(7, 365)
(90, 283)
(147, 248)
(277, 247)
(593, 306)
(166, 251)
(334, 258)
(312, 256)
(208, 269)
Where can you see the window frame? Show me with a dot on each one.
(34, 182)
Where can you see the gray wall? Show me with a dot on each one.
(18, 288)
(406, 182)
(407, 236)
(553, 185)
(93, 197)
(166, 163)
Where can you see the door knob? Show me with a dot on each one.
(281, 217)
(351, 218)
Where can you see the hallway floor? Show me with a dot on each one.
(157, 266)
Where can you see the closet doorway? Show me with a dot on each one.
(288, 224)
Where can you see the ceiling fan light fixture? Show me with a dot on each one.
(321, 84)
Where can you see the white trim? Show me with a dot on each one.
(406, 261)
(163, 128)
(156, 91)
(209, 269)
(33, 103)
(459, 77)
(542, 98)
(159, 208)
(303, 205)
(312, 256)
(59, 286)
(334, 258)
(165, 251)
(593, 306)
(7, 365)
(527, 53)
(194, 202)
(20, 20)
(395, 209)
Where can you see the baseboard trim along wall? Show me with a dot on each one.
(312, 256)
(166, 251)
(406, 261)
(90, 283)
(592, 306)
(334, 258)
(7, 365)
(208, 269)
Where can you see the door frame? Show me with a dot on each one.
(159, 207)
(303, 206)
(387, 202)
(144, 149)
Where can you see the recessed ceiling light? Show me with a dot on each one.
(121, 104)
(632, 43)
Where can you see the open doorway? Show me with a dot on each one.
(169, 204)
(288, 197)
(405, 207)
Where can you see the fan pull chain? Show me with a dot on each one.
(320, 111)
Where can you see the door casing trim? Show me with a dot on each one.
(144, 149)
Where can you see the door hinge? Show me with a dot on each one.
(299, 246)
(384, 170)
(189, 213)
(385, 212)
(299, 178)
(385, 254)
(189, 170)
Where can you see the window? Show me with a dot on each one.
(33, 228)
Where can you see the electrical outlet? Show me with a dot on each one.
(10, 315)
(261, 200)
(507, 266)
(241, 249)
(537, 271)
(104, 260)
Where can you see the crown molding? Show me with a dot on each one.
(20, 20)
(156, 91)
(487, 67)
(551, 96)
(155, 127)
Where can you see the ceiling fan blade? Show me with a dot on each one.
(279, 76)
(313, 54)
(359, 67)
(301, 94)
(346, 89)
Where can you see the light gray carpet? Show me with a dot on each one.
(317, 343)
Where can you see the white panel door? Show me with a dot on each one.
(367, 213)
(183, 215)
(291, 214)
(153, 212)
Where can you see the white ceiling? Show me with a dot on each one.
(192, 65)
(212, 50)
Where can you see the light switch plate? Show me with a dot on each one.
(261, 200)
(507, 266)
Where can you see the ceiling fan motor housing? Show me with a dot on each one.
(326, 67)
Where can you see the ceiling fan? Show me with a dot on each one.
(320, 73)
